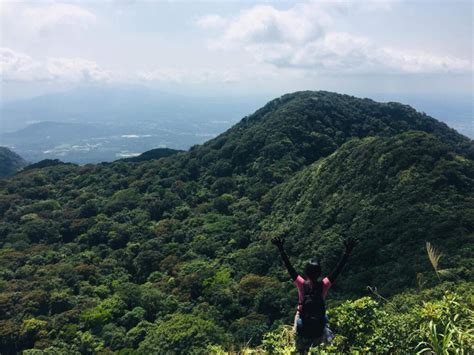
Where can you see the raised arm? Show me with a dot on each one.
(349, 244)
(278, 241)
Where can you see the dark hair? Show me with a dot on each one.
(312, 269)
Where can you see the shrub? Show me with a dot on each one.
(182, 333)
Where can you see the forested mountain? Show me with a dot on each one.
(10, 162)
(173, 255)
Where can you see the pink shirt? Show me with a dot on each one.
(299, 283)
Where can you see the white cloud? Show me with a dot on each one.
(302, 37)
(75, 69)
(19, 67)
(264, 24)
(28, 19)
(16, 66)
(49, 18)
(343, 53)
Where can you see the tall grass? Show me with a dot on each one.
(434, 256)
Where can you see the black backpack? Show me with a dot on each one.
(313, 312)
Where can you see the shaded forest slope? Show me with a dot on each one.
(10, 162)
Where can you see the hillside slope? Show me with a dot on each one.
(10, 162)
(393, 194)
(126, 255)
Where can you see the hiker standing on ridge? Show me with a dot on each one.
(310, 320)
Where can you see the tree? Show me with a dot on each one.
(182, 333)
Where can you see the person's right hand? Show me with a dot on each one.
(278, 241)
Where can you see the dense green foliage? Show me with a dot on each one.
(435, 321)
(45, 163)
(173, 254)
(10, 162)
(392, 194)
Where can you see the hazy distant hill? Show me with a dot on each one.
(105, 123)
(124, 105)
(454, 109)
(10, 162)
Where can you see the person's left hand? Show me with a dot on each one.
(350, 243)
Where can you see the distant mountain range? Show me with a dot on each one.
(105, 123)
(92, 124)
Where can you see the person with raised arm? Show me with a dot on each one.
(310, 323)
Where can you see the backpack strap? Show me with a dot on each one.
(306, 290)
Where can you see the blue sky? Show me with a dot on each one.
(238, 48)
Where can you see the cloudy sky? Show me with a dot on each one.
(243, 48)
